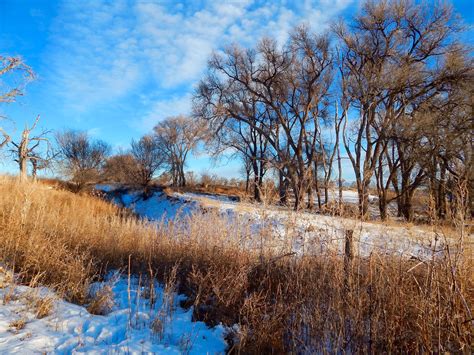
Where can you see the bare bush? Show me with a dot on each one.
(118, 168)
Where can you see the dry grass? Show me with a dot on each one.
(281, 303)
(102, 301)
(40, 306)
(18, 324)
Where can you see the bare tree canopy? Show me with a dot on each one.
(388, 90)
(278, 92)
(82, 157)
(176, 137)
(395, 57)
(148, 159)
(14, 76)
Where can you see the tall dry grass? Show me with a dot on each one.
(281, 303)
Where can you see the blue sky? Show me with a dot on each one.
(116, 68)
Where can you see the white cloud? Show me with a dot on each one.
(94, 132)
(162, 108)
(102, 51)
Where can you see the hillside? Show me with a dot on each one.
(224, 267)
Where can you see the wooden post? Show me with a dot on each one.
(348, 257)
(347, 295)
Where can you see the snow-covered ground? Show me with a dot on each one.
(137, 323)
(158, 206)
(348, 196)
(311, 233)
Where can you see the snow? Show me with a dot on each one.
(348, 196)
(126, 329)
(157, 207)
(300, 233)
(311, 233)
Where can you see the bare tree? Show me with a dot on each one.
(148, 159)
(34, 149)
(446, 145)
(244, 141)
(14, 76)
(176, 138)
(82, 157)
(288, 86)
(389, 61)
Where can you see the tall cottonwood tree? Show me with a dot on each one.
(391, 61)
(446, 148)
(244, 141)
(288, 85)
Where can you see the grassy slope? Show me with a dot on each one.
(281, 303)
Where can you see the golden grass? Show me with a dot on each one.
(18, 324)
(281, 303)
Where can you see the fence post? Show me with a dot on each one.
(348, 256)
(347, 294)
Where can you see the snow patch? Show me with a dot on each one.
(137, 323)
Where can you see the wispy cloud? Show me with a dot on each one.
(162, 108)
(104, 52)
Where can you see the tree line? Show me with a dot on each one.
(390, 90)
(87, 161)
(392, 87)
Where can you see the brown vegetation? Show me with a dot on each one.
(280, 302)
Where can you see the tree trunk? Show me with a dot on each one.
(339, 170)
(282, 188)
(363, 198)
(299, 192)
(407, 210)
(256, 181)
(23, 169)
(316, 184)
(182, 177)
(256, 189)
(247, 182)
(326, 194)
(407, 204)
(34, 169)
(298, 199)
(441, 205)
(310, 204)
(383, 206)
